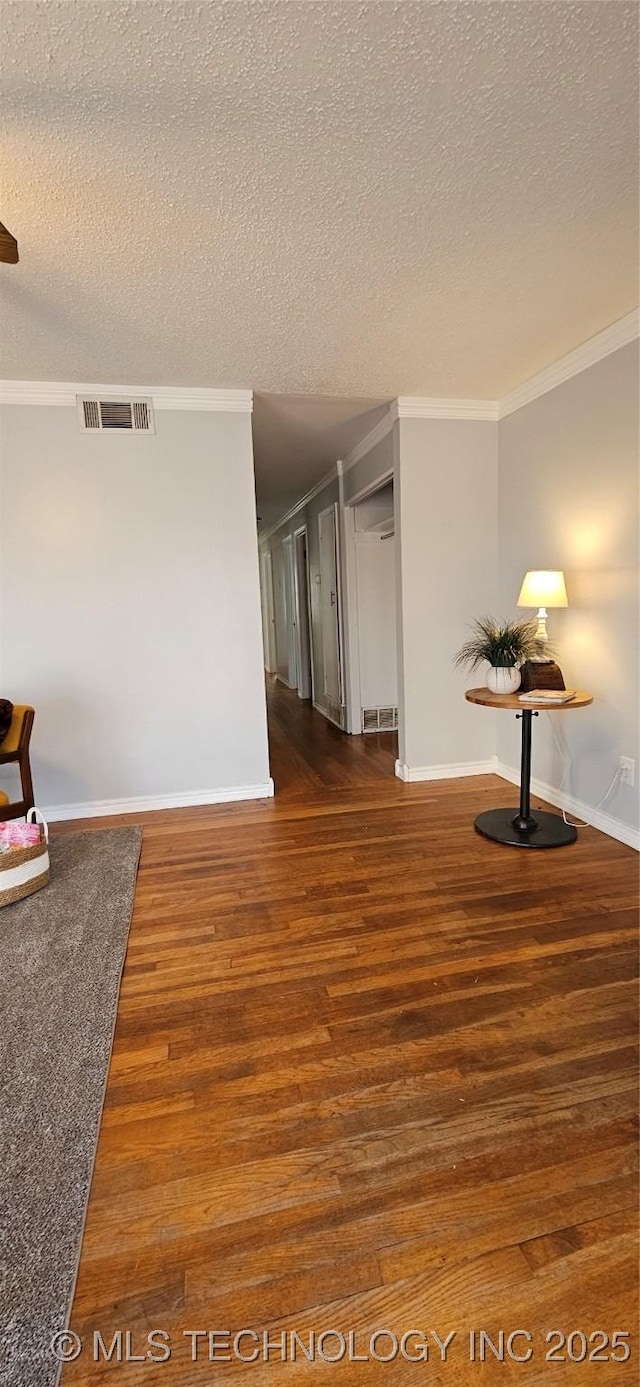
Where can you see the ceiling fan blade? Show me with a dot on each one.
(8, 247)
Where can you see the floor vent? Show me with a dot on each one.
(379, 719)
(132, 416)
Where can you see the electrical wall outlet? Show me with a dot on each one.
(627, 770)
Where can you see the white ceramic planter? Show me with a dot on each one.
(502, 679)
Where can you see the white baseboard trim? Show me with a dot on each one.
(606, 823)
(445, 772)
(144, 804)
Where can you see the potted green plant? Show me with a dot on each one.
(505, 646)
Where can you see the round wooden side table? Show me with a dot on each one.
(524, 829)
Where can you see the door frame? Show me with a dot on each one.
(290, 611)
(269, 615)
(353, 692)
(333, 510)
(304, 628)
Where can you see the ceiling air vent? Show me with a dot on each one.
(131, 416)
(91, 414)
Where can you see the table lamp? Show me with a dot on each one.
(542, 588)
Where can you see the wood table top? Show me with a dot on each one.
(491, 700)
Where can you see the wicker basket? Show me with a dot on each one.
(536, 675)
(24, 870)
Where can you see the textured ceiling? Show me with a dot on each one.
(357, 199)
(297, 438)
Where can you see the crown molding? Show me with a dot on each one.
(35, 392)
(64, 393)
(183, 397)
(619, 334)
(329, 477)
(589, 353)
(425, 407)
(611, 339)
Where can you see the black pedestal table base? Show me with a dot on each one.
(546, 830)
(519, 828)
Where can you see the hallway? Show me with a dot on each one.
(308, 754)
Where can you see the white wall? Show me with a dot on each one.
(446, 509)
(569, 500)
(130, 606)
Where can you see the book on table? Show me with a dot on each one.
(547, 696)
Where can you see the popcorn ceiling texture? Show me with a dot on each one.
(343, 198)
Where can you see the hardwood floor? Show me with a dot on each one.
(309, 755)
(371, 1071)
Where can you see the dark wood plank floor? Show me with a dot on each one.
(309, 755)
(371, 1071)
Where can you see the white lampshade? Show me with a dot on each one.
(543, 587)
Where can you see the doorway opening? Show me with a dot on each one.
(332, 721)
(371, 569)
(328, 587)
(331, 695)
(268, 612)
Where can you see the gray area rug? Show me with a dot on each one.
(61, 958)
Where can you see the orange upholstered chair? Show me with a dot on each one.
(15, 747)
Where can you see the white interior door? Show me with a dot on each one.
(303, 643)
(329, 606)
(290, 609)
(280, 614)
